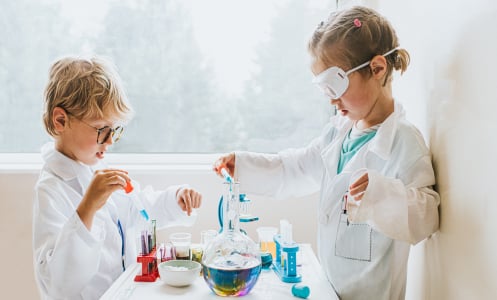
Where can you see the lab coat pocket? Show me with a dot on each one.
(353, 240)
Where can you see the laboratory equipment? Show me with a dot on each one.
(226, 175)
(285, 263)
(266, 239)
(179, 272)
(206, 236)
(181, 242)
(244, 211)
(301, 291)
(231, 261)
(266, 260)
(245, 204)
(136, 200)
(129, 187)
(148, 257)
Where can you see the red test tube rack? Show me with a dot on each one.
(149, 267)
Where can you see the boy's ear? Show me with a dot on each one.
(59, 119)
(378, 66)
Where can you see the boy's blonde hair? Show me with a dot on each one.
(84, 88)
(354, 36)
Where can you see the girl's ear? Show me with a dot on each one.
(59, 119)
(378, 66)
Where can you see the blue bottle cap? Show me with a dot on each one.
(301, 291)
(266, 259)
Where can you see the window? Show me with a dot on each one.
(202, 76)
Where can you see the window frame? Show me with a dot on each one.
(12, 163)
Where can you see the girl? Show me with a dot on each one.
(370, 164)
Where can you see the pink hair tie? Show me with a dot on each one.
(357, 23)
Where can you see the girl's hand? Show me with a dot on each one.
(227, 162)
(188, 199)
(103, 184)
(358, 187)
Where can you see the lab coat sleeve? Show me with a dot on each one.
(404, 208)
(66, 254)
(162, 206)
(290, 173)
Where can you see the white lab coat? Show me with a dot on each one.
(71, 262)
(367, 258)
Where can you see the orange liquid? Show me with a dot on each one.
(269, 247)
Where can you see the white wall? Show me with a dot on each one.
(16, 194)
(450, 91)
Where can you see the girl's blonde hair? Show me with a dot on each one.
(85, 88)
(353, 37)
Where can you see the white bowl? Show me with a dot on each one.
(179, 272)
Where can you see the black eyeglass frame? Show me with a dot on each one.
(111, 131)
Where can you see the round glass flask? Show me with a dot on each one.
(231, 261)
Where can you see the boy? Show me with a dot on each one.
(83, 232)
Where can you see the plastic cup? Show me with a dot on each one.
(206, 236)
(181, 242)
(266, 241)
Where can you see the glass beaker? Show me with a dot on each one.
(231, 261)
(266, 241)
(206, 236)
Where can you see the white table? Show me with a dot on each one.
(268, 287)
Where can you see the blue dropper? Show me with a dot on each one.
(139, 205)
(137, 202)
(226, 175)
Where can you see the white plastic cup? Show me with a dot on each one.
(206, 236)
(181, 242)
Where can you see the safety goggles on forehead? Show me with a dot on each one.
(334, 81)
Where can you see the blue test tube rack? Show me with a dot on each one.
(285, 264)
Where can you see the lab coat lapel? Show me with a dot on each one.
(331, 154)
(334, 185)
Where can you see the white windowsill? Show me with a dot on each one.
(32, 162)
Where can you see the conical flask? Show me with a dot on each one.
(231, 261)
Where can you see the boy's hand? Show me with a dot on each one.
(103, 184)
(188, 199)
(227, 162)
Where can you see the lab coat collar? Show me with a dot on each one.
(61, 165)
(381, 145)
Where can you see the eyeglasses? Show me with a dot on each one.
(334, 81)
(105, 132)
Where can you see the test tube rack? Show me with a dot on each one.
(149, 267)
(285, 264)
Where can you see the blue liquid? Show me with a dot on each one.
(236, 282)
